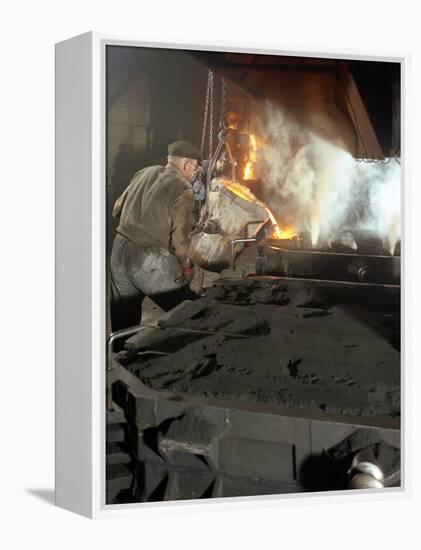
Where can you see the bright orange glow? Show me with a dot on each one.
(244, 193)
(250, 167)
(253, 142)
(285, 233)
(248, 171)
(239, 190)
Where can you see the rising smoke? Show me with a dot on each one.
(318, 187)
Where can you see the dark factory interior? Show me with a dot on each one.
(282, 375)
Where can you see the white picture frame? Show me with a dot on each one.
(81, 273)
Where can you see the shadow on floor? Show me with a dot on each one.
(47, 495)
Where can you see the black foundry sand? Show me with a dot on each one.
(285, 344)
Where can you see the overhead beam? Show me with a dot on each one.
(368, 145)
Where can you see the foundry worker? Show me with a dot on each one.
(150, 250)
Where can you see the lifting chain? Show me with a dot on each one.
(211, 104)
(208, 116)
(208, 112)
(223, 102)
(205, 116)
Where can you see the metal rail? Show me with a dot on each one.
(327, 282)
(233, 245)
(326, 253)
(114, 336)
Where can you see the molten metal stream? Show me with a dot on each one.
(244, 193)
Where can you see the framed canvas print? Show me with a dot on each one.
(229, 237)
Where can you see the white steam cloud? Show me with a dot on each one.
(318, 187)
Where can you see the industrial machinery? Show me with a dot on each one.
(282, 377)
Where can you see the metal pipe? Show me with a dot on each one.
(272, 245)
(358, 268)
(117, 335)
(365, 473)
(233, 244)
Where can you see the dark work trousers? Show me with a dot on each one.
(137, 272)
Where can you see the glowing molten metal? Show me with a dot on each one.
(244, 193)
(251, 164)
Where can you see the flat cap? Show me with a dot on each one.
(184, 149)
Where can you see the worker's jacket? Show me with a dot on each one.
(156, 210)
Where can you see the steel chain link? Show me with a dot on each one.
(208, 115)
(205, 114)
(223, 100)
(211, 117)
